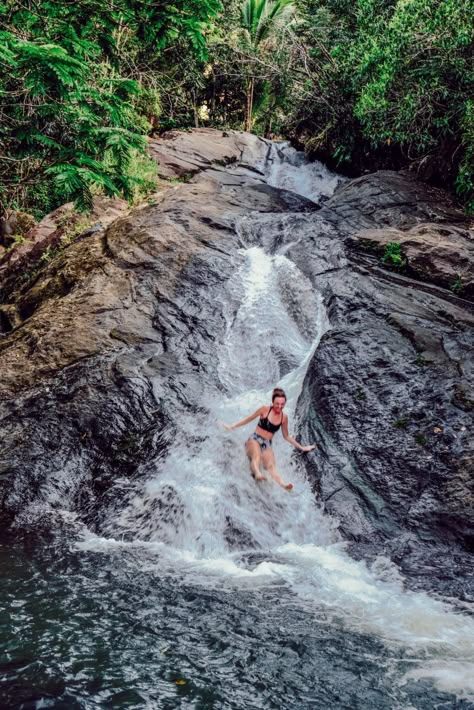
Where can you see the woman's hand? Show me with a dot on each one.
(228, 427)
(306, 449)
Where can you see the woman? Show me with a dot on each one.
(259, 446)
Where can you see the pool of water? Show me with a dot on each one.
(84, 629)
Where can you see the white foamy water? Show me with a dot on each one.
(287, 168)
(203, 501)
(202, 514)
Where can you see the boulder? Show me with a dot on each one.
(390, 390)
(20, 265)
(389, 199)
(442, 254)
(182, 154)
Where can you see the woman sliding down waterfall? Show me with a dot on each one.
(259, 445)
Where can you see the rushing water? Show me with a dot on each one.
(205, 590)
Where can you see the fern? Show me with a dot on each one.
(72, 112)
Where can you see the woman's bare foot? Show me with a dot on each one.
(260, 478)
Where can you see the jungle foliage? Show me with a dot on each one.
(80, 89)
(392, 83)
(361, 83)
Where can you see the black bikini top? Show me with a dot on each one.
(265, 423)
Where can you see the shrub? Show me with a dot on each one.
(393, 255)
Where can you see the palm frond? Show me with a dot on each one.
(259, 18)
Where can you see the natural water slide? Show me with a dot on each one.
(159, 574)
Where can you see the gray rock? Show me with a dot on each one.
(114, 341)
(390, 389)
(438, 253)
(182, 154)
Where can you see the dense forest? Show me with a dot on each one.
(361, 84)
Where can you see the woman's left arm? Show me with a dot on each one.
(290, 440)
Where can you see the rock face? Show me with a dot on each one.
(437, 253)
(100, 325)
(390, 390)
(183, 154)
(114, 340)
(19, 266)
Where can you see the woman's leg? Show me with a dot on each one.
(254, 453)
(270, 464)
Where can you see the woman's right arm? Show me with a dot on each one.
(248, 419)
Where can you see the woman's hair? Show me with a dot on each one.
(278, 392)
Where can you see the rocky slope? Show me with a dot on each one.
(115, 338)
(390, 388)
(108, 338)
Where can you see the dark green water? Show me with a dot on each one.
(90, 630)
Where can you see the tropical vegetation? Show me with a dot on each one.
(81, 84)
(362, 84)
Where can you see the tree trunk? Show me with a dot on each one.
(249, 106)
(195, 110)
(268, 128)
(212, 109)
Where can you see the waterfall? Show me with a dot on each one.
(201, 515)
(288, 169)
(202, 501)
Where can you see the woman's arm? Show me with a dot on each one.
(290, 440)
(248, 419)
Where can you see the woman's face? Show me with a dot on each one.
(279, 403)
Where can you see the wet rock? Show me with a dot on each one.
(389, 390)
(113, 340)
(111, 347)
(437, 253)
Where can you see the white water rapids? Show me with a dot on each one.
(203, 516)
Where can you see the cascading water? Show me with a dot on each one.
(287, 168)
(203, 512)
(202, 527)
(202, 501)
